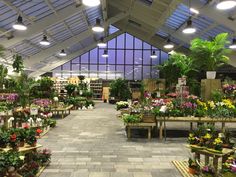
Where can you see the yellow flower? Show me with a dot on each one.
(217, 141)
(207, 136)
(211, 104)
(228, 103)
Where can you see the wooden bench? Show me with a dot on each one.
(140, 125)
(163, 120)
(63, 110)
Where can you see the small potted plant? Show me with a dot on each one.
(193, 168)
(44, 156)
(4, 139)
(31, 137)
(13, 139)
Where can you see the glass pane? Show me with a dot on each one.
(120, 71)
(129, 72)
(112, 55)
(112, 43)
(84, 58)
(84, 70)
(76, 60)
(146, 57)
(111, 72)
(146, 72)
(102, 60)
(138, 57)
(155, 73)
(156, 60)
(129, 57)
(138, 72)
(93, 56)
(146, 45)
(138, 43)
(75, 67)
(129, 44)
(66, 66)
(120, 56)
(121, 41)
(164, 57)
(102, 71)
(93, 71)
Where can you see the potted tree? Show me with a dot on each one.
(209, 55)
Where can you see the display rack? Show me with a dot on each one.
(96, 87)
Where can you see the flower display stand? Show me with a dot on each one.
(207, 154)
(141, 125)
(25, 149)
(63, 111)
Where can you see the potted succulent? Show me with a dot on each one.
(4, 139)
(31, 137)
(209, 55)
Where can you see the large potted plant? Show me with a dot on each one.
(209, 55)
(17, 64)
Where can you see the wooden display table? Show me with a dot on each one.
(207, 154)
(63, 110)
(24, 149)
(191, 120)
(140, 125)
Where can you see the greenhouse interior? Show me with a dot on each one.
(117, 88)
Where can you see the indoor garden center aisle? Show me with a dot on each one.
(94, 144)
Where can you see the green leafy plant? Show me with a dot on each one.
(127, 118)
(52, 123)
(120, 90)
(209, 55)
(70, 88)
(4, 138)
(31, 136)
(3, 74)
(17, 64)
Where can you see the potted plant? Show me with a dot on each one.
(18, 63)
(4, 139)
(70, 88)
(127, 118)
(209, 55)
(13, 139)
(120, 90)
(193, 168)
(31, 137)
(21, 136)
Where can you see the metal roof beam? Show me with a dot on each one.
(41, 25)
(71, 56)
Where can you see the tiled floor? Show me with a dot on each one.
(94, 144)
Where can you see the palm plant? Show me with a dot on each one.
(18, 63)
(209, 55)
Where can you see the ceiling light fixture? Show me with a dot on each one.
(105, 54)
(62, 53)
(44, 41)
(91, 3)
(225, 4)
(194, 10)
(189, 29)
(233, 45)
(19, 25)
(153, 55)
(98, 27)
(101, 43)
(169, 44)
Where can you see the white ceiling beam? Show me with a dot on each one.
(169, 10)
(55, 12)
(71, 56)
(41, 25)
(63, 45)
(214, 14)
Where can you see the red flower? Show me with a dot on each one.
(38, 131)
(26, 126)
(13, 137)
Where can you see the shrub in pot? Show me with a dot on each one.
(4, 139)
(31, 137)
(209, 55)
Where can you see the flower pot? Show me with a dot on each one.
(34, 144)
(192, 171)
(211, 74)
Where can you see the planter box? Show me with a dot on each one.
(148, 118)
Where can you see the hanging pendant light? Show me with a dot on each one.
(19, 25)
(153, 55)
(169, 44)
(91, 3)
(233, 45)
(62, 53)
(44, 41)
(105, 54)
(189, 29)
(226, 4)
(101, 43)
(98, 27)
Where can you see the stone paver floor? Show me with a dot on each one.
(94, 144)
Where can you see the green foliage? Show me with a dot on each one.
(2, 49)
(30, 136)
(217, 95)
(127, 118)
(120, 90)
(52, 123)
(209, 55)
(70, 88)
(9, 159)
(17, 65)
(3, 74)
(4, 138)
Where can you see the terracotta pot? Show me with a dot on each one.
(192, 171)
